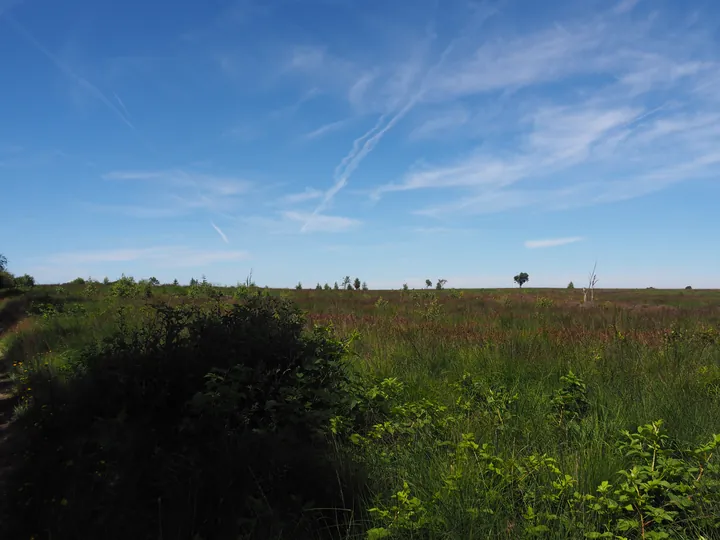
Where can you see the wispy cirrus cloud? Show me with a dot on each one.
(309, 194)
(595, 89)
(552, 242)
(82, 82)
(191, 191)
(440, 123)
(159, 255)
(325, 129)
(322, 222)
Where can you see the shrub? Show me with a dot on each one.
(125, 287)
(7, 280)
(209, 422)
(78, 281)
(26, 281)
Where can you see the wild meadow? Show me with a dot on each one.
(168, 412)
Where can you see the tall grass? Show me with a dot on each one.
(486, 414)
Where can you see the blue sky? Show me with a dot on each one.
(393, 141)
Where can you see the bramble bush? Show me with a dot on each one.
(202, 422)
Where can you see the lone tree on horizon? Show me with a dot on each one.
(521, 279)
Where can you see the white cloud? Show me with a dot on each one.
(441, 123)
(191, 191)
(325, 129)
(160, 255)
(308, 195)
(625, 5)
(321, 222)
(552, 242)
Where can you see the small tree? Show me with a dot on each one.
(428, 283)
(327, 287)
(364, 286)
(357, 284)
(193, 282)
(346, 282)
(298, 286)
(571, 285)
(318, 287)
(3, 263)
(440, 284)
(521, 279)
(336, 286)
(175, 282)
(154, 281)
(26, 281)
(688, 288)
(106, 280)
(405, 287)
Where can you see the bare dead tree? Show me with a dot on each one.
(592, 280)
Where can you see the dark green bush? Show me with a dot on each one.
(25, 280)
(200, 421)
(7, 280)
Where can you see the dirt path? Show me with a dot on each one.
(7, 405)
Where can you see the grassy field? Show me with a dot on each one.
(419, 414)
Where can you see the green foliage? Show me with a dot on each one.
(427, 305)
(220, 415)
(543, 302)
(327, 287)
(428, 283)
(449, 418)
(455, 293)
(571, 285)
(336, 286)
(106, 280)
(440, 284)
(91, 289)
(364, 286)
(125, 287)
(521, 279)
(3, 263)
(298, 286)
(25, 281)
(357, 284)
(78, 281)
(570, 403)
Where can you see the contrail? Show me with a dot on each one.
(94, 90)
(353, 159)
(222, 234)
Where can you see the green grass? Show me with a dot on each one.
(459, 425)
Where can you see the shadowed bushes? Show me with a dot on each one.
(203, 422)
